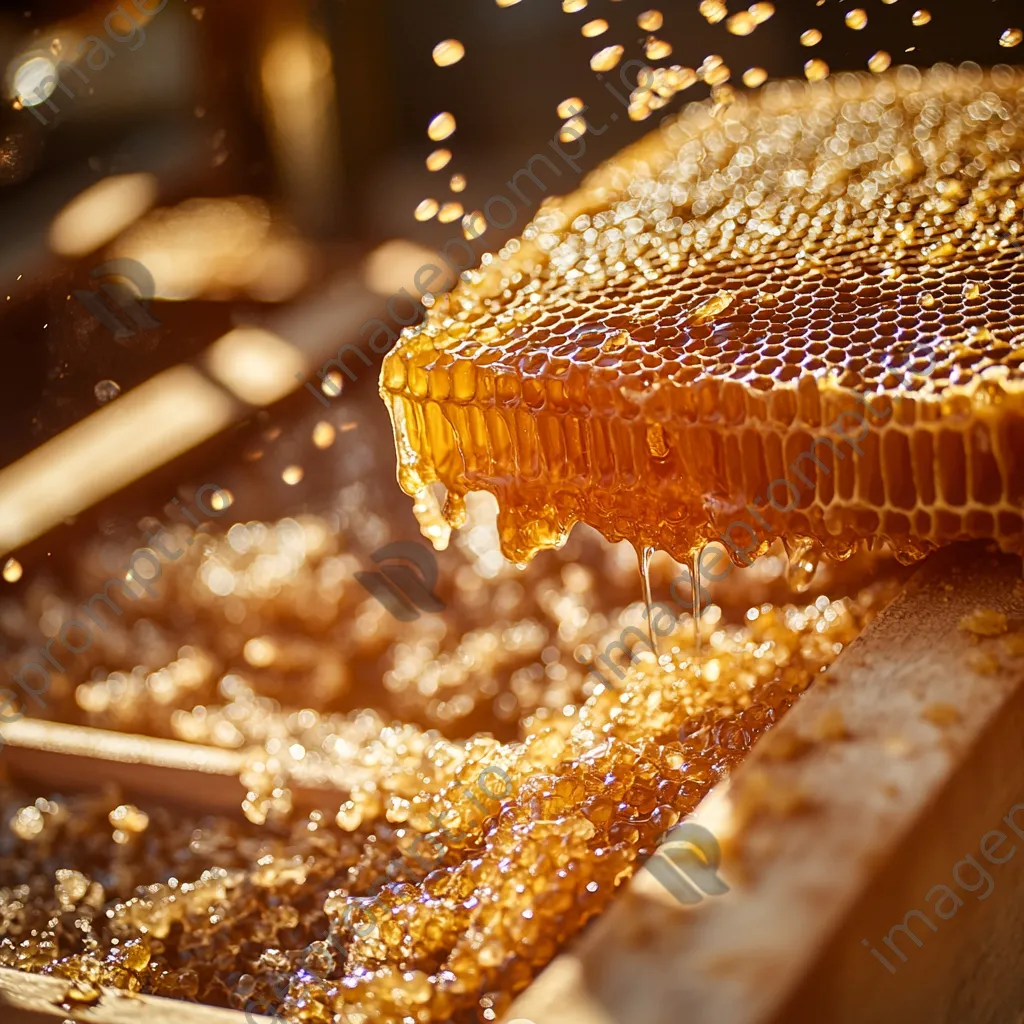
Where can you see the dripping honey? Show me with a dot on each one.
(815, 339)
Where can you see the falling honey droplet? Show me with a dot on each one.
(803, 564)
(716, 74)
(921, 17)
(572, 129)
(597, 27)
(292, 475)
(816, 70)
(570, 107)
(650, 21)
(856, 19)
(332, 384)
(448, 52)
(12, 570)
(450, 212)
(606, 59)
(506, 3)
(324, 434)
(1011, 37)
(753, 77)
(695, 587)
(222, 499)
(643, 556)
(810, 38)
(713, 10)
(761, 12)
(438, 159)
(457, 183)
(474, 225)
(426, 210)
(741, 23)
(441, 126)
(879, 62)
(572, 6)
(657, 49)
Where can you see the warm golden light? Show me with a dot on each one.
(100, 213)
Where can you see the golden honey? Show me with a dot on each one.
(797, 317)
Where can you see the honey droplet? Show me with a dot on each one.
(606, 59)
(1011, 37)
(70, 886)
(426, 210)
(448, 52)
(332, 384)
(713, 10)
(573, 129)
(921, 17)
(927, 301)
(569, 107)
(12, 570)
(712, 308)
(972, 290)
(879, 62)
(717, 74)
(753, 77)
(439, 159)
(816, 70)
(761, 12)
(741, 23)
(650, 21)
(657, 49)
(106, 391)
(474, 225)
(856, 19)
(129, 818)
(810, 38)
(292, 475)
(450, 212)
(222, 499)
(572, 6)
(457, 183)
(324, 434)
(441, 126)
(506, 3)
(597, 27)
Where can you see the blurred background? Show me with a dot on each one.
(262, 161)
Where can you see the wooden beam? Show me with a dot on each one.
(75, 758)
(883, 778)
(34, 999)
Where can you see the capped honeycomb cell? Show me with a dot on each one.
(799, 317)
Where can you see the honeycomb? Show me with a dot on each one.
(797, 317)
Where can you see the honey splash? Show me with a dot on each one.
(798, 318)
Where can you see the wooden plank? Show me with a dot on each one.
(34, 999)
(74, 758)
(882, 778)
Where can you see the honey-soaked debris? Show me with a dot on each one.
(825, 401)
(453, 874)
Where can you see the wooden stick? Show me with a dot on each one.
(883, 778)
(73, 758)
(35, 999)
